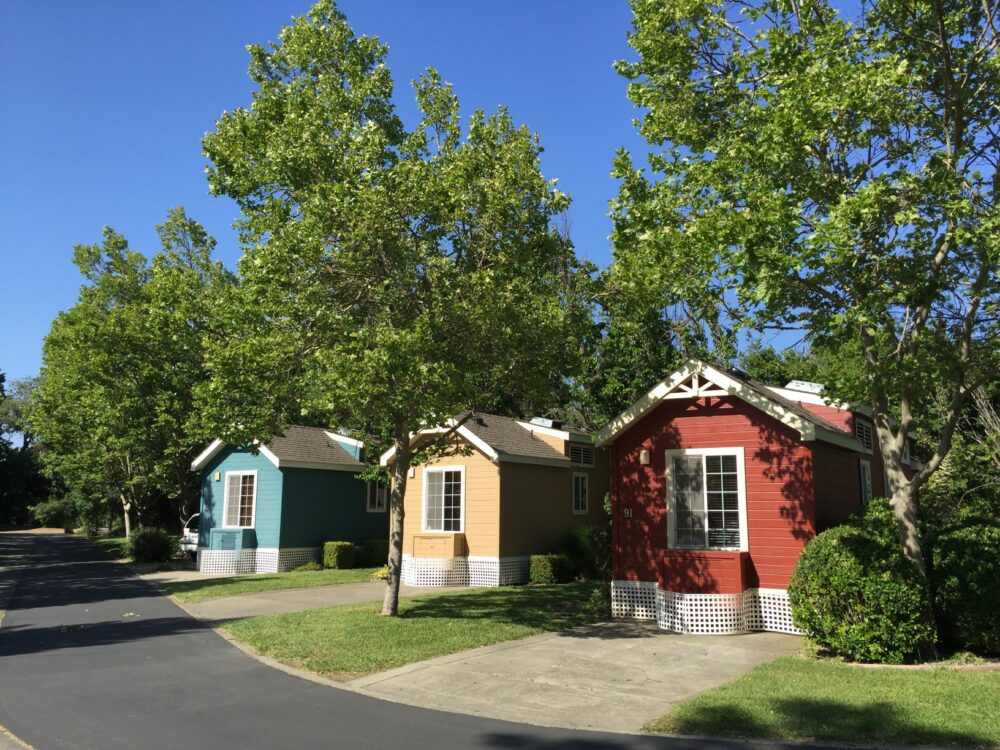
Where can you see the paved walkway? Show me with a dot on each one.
(296, 600)
(611, 677)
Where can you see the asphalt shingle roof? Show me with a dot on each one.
(310, 445)
(506, 436)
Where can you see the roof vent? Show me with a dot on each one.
(543, 422)
(804, 386)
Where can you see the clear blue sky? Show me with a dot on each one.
(103, 105)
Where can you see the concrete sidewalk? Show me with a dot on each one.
(611, 677)
(297, 600)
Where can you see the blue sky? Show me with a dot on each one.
(104, 104)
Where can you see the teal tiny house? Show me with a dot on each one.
(268, 508)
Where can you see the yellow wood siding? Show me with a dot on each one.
(481, 535)
(537, 504)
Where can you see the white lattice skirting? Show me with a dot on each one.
(704, 614)
(464, 571)
(259, 560)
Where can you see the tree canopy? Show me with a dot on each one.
(113, 412)
(391, 275)
(827, 175)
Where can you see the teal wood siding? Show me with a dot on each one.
(267, 514)
(323, 506)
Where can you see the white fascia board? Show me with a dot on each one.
(643, 406)
(344, 439)
(386, 458)
(542, 430)
(206, 455)
(485, 448)
(266, 453)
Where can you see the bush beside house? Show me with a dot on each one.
(967, 587)
(338, 555)
(547, 569)
(149, 545)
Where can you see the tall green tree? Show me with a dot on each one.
(21, 481)
(834, 176)
(113, 413)
(392, 276)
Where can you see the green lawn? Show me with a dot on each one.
(210, 588)
(798, 699)
(113, 545)
(351, 640)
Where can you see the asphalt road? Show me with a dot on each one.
(92, 657)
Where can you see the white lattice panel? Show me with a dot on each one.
(464, 571)
(222, 561)
(775, 611)
(634, 599)
(267, 561)
(704, 614)
(292, 557)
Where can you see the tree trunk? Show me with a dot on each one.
(400, 470)
(904, 509)
(127, 513)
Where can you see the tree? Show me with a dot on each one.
(391, 277)
(21, 481)
(113, 413)
(834, 177)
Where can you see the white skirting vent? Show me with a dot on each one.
(259, 560)
(704, 614)
(464, 571)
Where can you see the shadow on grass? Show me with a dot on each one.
(545, 607)
(824, 720)
(116, 546)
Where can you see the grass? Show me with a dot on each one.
(210, 588)
(352, 640)
(113, 545)
(799, 699)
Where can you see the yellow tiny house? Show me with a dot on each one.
(508, 489)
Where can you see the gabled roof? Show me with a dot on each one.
(499, 438)
(297, 448)
(699, 379)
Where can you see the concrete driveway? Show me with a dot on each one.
(611, 677)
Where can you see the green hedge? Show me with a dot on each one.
(151, 545)
(338, 555)
(857, 596)
(550, 569)
(967, 583)
(589, 550)
(374, 553)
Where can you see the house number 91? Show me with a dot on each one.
(627, 512)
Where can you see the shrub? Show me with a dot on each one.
(149, 545)
(374, 553)
(381, 574)
(967, 583)
(338, 555)
(54, 514)
(857, 596)
(550, 569)
(598, 605)
(306, 567)
(589, 549)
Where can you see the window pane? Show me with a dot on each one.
(246, 500)
(706, 503)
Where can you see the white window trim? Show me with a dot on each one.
(865, 469)
(423, 503)
(741, 487)
(586, 479)
(226, 498)
(372, 490)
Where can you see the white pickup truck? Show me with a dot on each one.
(189, 535)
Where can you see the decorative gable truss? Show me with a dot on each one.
(696, 380)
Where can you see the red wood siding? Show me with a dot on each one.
(840, 417)
(838, 482)
(779, 486)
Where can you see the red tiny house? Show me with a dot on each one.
(718, 482)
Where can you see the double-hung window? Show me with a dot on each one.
(241, 499)
(444, 498)
(866, 481)
(581, 503)
(378, 497)
(706, 499)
